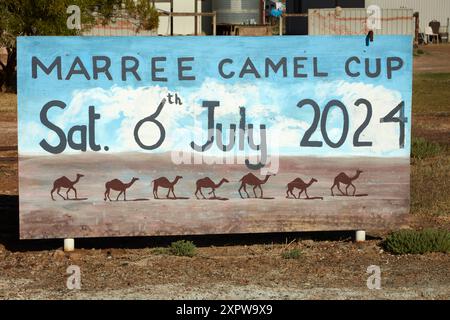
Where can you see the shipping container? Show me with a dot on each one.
(351, 21)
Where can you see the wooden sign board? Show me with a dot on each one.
(138, 136)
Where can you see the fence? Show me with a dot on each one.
(354, 22)
(123, 25)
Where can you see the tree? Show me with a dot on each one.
(49, 18)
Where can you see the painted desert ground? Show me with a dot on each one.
(381, 200)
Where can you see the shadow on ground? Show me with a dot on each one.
(9, 236)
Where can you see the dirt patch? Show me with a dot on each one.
(434, 128)
(324, 270)
(436, 58)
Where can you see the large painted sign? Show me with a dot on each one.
(132, 136)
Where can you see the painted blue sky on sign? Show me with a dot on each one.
(271, 101)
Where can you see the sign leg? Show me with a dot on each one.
(69, 245)
(360, 236)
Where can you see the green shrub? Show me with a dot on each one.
(291, 254)
(418, 242)
(420, 51)
(183, 248)
(422, 148)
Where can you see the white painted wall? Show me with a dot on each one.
(428, 9)
(182, 25)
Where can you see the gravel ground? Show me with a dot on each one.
(325, 270)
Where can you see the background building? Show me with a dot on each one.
(181, 25)
(299, 25)
(256, 12)
(124, 25)
(428, 10)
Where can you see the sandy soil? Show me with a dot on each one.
(436, 59)
(326, 270)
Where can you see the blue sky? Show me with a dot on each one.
(271, 101)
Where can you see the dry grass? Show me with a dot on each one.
(431, 94)
(430, 186)
(430, 174)
(8, 107)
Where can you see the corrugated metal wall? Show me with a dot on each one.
(354, 22)
(428, 9)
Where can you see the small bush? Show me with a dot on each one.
(183, 248)
(291, 254)
(418, 242)
(420, 51)
(422, 148)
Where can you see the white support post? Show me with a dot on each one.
(69, 245)
(360, 236)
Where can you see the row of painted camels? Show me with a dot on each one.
(206, 183)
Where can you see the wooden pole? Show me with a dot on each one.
(448, 28)
(262, 12)
(171, 17)
(214, 23)
(417, 29)
(196, 17)
(281, 26)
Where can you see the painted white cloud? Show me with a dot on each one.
(385, 137)
(122, 107)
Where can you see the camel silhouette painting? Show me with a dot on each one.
(118, 185)
(64, 182)
(252, 180)
(163, 182)
(299, 184)
(346, 180)
(208, 183)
